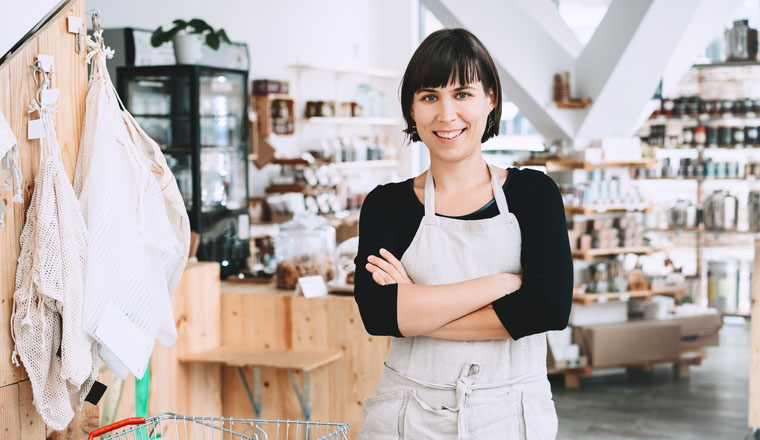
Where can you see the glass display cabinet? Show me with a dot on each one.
(199, 117)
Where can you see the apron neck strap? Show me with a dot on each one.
(498, 193)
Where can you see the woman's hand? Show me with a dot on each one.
(387, 270)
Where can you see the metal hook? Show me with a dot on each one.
(43, 83)
(95, 14)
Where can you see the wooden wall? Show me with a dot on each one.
(754, 372)
(18, 418)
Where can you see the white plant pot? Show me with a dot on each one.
(187, 48)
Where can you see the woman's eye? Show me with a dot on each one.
(429, 98)
(462, 95)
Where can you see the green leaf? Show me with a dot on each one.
(199, 26)
(212, 40)
(180, 24)
(223, 36)
(156, 39)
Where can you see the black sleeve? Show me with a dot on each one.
(543, 301)
(377, 304)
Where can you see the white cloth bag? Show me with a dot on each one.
(49, 292)
(134, 250)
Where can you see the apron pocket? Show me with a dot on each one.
(382, 416)
(496, 419)
(540, 416)
(422, 421)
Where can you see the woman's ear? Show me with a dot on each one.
(491, 100)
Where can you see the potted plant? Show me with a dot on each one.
(188, 38)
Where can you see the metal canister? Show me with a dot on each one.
(723, 284)
(711, 136)
(753, 211)
(724, 136)
(727, 107)
(738, 109)
(749, 106)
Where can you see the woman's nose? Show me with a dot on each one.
(447, 110)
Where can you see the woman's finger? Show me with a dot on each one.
(379, 276)
(390, 258)
(387, 267)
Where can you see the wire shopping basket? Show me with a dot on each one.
(168, 425)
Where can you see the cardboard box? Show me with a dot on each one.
(629, 343)
(698, 325)
(598, 313)
(696, 343)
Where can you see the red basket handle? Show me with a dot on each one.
(116, 425)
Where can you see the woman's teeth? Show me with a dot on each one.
(448, 134)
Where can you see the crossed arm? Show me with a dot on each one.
(458, 311)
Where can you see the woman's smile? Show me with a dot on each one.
(449, 134)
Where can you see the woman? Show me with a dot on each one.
(466, 266)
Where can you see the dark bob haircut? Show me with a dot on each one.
(444, 56)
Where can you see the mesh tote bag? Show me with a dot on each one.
(133, 249)
(46, 324)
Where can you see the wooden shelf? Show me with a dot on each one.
(379, 73)
(324, 120)
(588, 298)
(593, 253)
(565, 165)
(285, 359)
(602, 209)
(363, 164)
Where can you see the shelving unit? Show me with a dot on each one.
(590, 254)
(602, 209)
(567, 165)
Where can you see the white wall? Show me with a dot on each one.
(21, 19)
(362, 34)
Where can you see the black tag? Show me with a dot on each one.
(96, 392)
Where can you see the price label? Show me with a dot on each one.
(75, 24)
(49, 96)
(46, 61)
(35, 129)
(312, 287)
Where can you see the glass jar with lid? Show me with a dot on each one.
(304, 247)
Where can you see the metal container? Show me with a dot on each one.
(684, 214)
(721, 211)
(723, 284)
(741, 42)
(753, 211)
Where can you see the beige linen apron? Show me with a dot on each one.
(439, 389)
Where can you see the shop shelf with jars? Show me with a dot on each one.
(276, 114)
(613, 208)
(591, 254)
(553, 165)
(589, 298)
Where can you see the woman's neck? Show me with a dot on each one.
(460, 175)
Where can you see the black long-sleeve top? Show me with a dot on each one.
(392, 213)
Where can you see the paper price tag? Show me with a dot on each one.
(35, 129)
(75, 24)
(625, 297)
(312, 287)
(46, 61)
(49, 96)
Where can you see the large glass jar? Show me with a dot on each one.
(304, 247)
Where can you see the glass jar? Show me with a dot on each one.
(304, 247)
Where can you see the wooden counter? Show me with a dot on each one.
(264, 317)
(252, 324)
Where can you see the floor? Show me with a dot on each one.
(710, 404)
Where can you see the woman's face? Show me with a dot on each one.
(451, 120)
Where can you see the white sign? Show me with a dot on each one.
(46, 62)
(312, 287)
(49, 96)
(75, 24)
(35, 129)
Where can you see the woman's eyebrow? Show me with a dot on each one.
(428, 90)
(465, 87)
